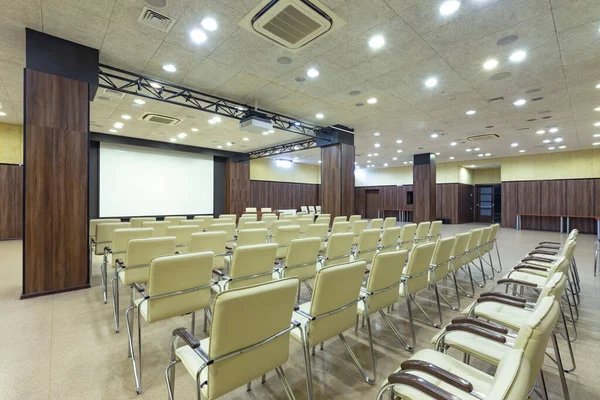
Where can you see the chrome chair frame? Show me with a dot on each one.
(449, 264)
(404, 279)
(228, 280)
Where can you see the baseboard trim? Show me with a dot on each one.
(56, 291)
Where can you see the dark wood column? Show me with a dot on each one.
(337, 179)
(237, 186)
(424, 187)
(56, 130)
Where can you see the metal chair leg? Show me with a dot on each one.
(285, 383)
(104, 283)
(412, 324)
(137, 370)
(395, 331)
(193, 323)
(306, 349)
(561, 371)
(368, 379)
(114, 282)
(568, 339)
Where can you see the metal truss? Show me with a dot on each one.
(282, 149)
(139, 85)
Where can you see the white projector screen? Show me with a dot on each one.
(139, 181)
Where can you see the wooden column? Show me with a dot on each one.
(237, 187)
(11, 201)
(337, 179)
(424, 188)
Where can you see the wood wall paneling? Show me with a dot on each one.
(553, 201)
(347, 179)
(509, 204)
(424, 192)
(56, 184)
(597, 197)
(283, 195)
(580, 202)
(237, 186)
(529, 195)
(11, 201)
(330, 191)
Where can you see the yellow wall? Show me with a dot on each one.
(445, 173)
(265, 169)
(11, 144)
(486, 175)
(562, 165)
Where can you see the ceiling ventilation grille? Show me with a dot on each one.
(113, 94)
(160, 119)
(156, 20)
(478, 138)
(495, 99)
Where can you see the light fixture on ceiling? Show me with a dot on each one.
(312, 73)
(297, 123)
(562, 147)
(405, 162)
(368, 161)
(372, 100)
(210, 24)
(377, 145)
(112, 130)
(410, 162)
(520, 102)
(240, 108)
(369, 155)
(172, 140)
(517, 56)
(376, 134)
(597, 124)
(596, 135)
(468, 150)
(284, 163)
(471, 166)
(488, 154)
(245, 139)
(375, 154)
(139, 101)
(194, 129)
(399, 141)
(451, 158)
(522, 151)
(394, 158)
(598, 86)
(437, 154)
(377, 42)
(596, 144)
(515, 144)
(449, 7)
(125, 116)
(434, 135)
(197, 36)
(553, 130)
(320, 161)
(476, 149)
(385, 164)
(182, 135)
(214, 120)
(551, 148)
(558, 140)
(155, 85)
(229, 144)
(398, 151)
(271, 131)
(169, 68)
(546, 141)
(219, 147)
(431, 82)
(541, 132)
(319, 116)
(453, 143)
(2, 114)
(470, 112)
(490, 64)
(597, 109)
(265, 133)
(480, 155)
(118, 125)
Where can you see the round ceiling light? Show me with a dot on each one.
(169, 68)
(518, 56)
(490, 64)
(376, 42)
(210, 24)
(197, 36)
(449, 7)
(312, 73)
(431, 82)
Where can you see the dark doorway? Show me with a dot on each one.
(484, 203)
(371, 203)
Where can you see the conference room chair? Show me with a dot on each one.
(227, 359)
(265, 209)
(440, 267)
(229, 216)
(175, 219)
(367, 245)
(247, 237)
(458, 258)
(250, 209)
(206, 218)
(406, 240)
(422, 232)
(381, 289)
(312, 210)
(357, 227)
(104, 239)
(136, 222)
(491, 244)
(317, 209)
(300, 261)
(268, 219)
(191, 222)
(202, 223)
(482, 249)
(389, 239)
(338, 250)
(331, 312)
(160, 227)
(255, 225)
(430, 372)
(340, 227)
(223, 220)
(354, 218)
(283, 237)
(243, 221)
(275, 225)
(250, 265)
(341, 218)
(323, 219)
(253, 216)
(183, 235)
(376, 223)
(472, 255)
(177, 285)
(318, 230)
(301, 214)
(288, 217)
(435, 231)
(133, 266)
(92, 233)
(415, 278)
(211, 241)
(389, 222)
(305, 209)
(228, 228)
(304, 222)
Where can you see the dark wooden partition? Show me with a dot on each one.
(509, 204)
(580, 203)
(283, 195)
(11, 201)
(390, 197)
(424, 184)
(553, 201)
(237, 186)
(337, 179)
(529, 194)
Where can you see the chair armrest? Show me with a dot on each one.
(439, 373)
(187, 337)
(228, 248)
(556, 243)
(138, 287)
(420, 384)
(120, 263)
(543, 246)
(548, 253)
(479, 322)
(516, 282)
(304, 314)
(530, 267)
(218, 273)
(494, 299)
(504, 296)
(540, 259)
(476, 330)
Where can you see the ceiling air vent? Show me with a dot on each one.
(113, 94)
(156, 20)
(495, 99)
(160, 119)
(478, 138)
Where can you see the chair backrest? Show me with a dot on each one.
(485, 234)
(283, 237)
(422, 231)
(223, 220)
(335, 287)
(511, 381)
(304, 222)
(160, 227)
(354, 218)
(311, 209)
(256, 225)
(367, 244)
(202, 223)
(105, 233)
(554, 286)
(458, 250)
(136, 222)
(341, 218)
(95, 222)
(358, 226)
(122, 236)
(275, 225)
(208, 219)
(210, 241)
(260, 312)
(318, 230)
(228, 216)
(183, 235)
(140, 253)
(253, 216)
(340, 227)
(228, 228)
(441, 257)
(389, 239)
(338, 248)
(179, 273)
(243, 221)
(191, 222)
(304, 209)
(175, 219)
(376, 223)
(435, 229)
(250, 209)
(385, 273)
(268, 219)
(473, 243)
(318, 209)
(323, 219)
(418, 266)
(251, 236)
(301, 258)
(407, 236)
(492, 237)
(265, 209)
(250, 261)
(389, 222)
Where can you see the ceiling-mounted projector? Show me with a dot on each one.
(255, 122)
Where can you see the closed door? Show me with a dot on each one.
(371, 203)
(484, 211)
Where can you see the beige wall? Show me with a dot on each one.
(11, 144)
(486, 175)
(445, 173)
(562, 165)
(265, 169)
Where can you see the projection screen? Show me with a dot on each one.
(139, 181)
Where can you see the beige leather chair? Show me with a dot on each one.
(255, 225)
(252, 216)
(317, 209)
(368, 242)
(357, 227)
(250, 265)
(202, 223)
(304, 222)
(228, 228)
(305, 209)
(415, 277)
(491, 243)
(338, 250)
(133, 266)
(300, 261)
(191, 222)
(223, 220)
(389, 239)
(459, 260)
(92, 234)
(265, 209)
(136, 222)
(208, 219)
(472, 256)
(175, 219)
(283, 237)
(320, 231)
(435, 231)
(268, 219)
(312, 210)
(102, 245)
(243, 221)
(482, 249)
(389, 222)
(381, 288)
(422, 232)
(376, 223)
(250, 209)
(406, 241)
(341, 218)
(323, 219)
(330, 312)
(441, 266)
(183, 235)
(228, 359)
(177, 285)
(340, 227)
(247, 237)
(354, 218)
(211, 241)
(275, 225)
(160, 227)
(228, 216)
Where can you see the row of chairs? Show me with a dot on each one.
(311, 209)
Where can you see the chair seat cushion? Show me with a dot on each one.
(482, 348)
(134, 275)
(508, 316)
(536, 278)
(193, 362)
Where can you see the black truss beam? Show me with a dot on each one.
(131, 83)
(282, 149)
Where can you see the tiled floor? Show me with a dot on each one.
(63, 346)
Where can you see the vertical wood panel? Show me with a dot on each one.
(424, 192)
(580, 202)
(347, 179)
(11, 202)
(283, 195)
(529, 195)
(359, 200)
(597, 197)
(237, 187)
(330, 191)
(553, 202)
(465, 203)
(509, 204)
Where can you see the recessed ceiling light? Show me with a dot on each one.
(410, 162)
(551, 148)
(312, 73)
(490, 64)
(245, 139)
(470, 112)
(562, 147)
(369, 155)
(434, 135)
(449, 7)
(596, 134)
(437, 154)
(231, 144)
(155, 85)
(172, 140)
(431, 82)
(112, 130)
(219, 147)
(471, 166)
(546, 141)
(394, 158)
(597, 109)
(118, 125)
(453, 143)
(240, 108)
(194, 129)
(398, 151)
(476, 149)
(139, 101)
(517, 56)
(377, 42)
(376, 134)
(214, 120)
(385, 164)
(265, 133)
(375, 154)
(210, 24)
(372, 100)
(297, 123)
(553, 130)
(597, 124)
(368, 161)
(399, 141)
(355, 162)
(197, 36)
(488, 154)
(596, 143)
(271, 131)
(2, 114)
(520, 102)
(451, 158)
(558, 140)
(405, 162)
(541, 132)
(182, 135)
(319, 116)
(320, 161)
(598, 86)
(522, 151)
(169, 68)
(377, 145)
(125, 116)
(479, 155)
(468, 150)
(515, 144)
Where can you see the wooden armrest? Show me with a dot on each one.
(494, 299)
(543, 246)
(120, 262)
(556, 243)
(187, 337)
(479, 322)
(228, 248)
(548, 253)
(218, 272)
(540, 259)
(420, 384)
(476, 330)
(531, 267)
(516, 282)
(504, 296)
(439, 373)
